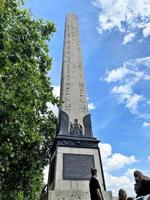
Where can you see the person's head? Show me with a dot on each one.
(138, 176)
(122, 194)
(94, 171)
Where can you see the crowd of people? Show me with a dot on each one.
(141, 187)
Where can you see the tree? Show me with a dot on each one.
(27, 128)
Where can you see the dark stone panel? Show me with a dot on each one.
(75, 143)
(87, 125)
(78, 142)
(77, 166)
(63, 123)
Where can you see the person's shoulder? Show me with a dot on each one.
(93, 178)
(147, 181)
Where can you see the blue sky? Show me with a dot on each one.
(115, 38)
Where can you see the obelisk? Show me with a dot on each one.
(72, 84)
(75, 150)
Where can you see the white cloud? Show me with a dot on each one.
(128, 38)
(56, 90)
(91, 106)
(125, 16)
(133, 101)
(146, 124)
(118, 161)
(106, 150)
(122, 89)
(130, 172)
(113, 162)
(146, 30)
(126, 96)
(144, 60)
(45, 172)
(126, 78)
(53, 108)
(116, 74)
(114, 183)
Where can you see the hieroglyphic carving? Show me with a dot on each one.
(75, 197)
(70, 195)
(73, 94)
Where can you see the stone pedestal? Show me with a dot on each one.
(72, 168)
(69, 175)
(71, 162)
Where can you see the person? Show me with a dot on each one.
(142, 184)
(122, 195)
(95, 190)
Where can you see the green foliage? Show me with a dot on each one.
(2, 3)
(27, 128)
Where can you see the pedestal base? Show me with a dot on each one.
(68, 195)
(71, 162)
(74, 195)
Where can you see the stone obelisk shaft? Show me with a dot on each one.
(73, 93)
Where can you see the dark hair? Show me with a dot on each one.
(140, 174)
(93, 171)
(137, 173)
(122, 194)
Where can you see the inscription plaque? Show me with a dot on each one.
(77, 166)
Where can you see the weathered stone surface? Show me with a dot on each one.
(69, 195)
(72, 83)
(75, 195)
